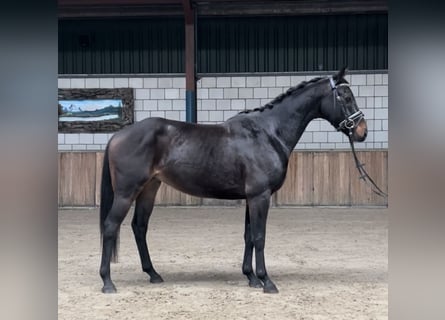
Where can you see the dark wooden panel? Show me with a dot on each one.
(77, 176)
(298, 188)
(339, 178)
(322, 185)
(99, 165)
(313, 178)
(169, 196)
(331, 178)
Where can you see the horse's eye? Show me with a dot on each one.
(348, 99)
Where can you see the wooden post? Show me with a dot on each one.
(190, 62)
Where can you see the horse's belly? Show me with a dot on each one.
(203, 184)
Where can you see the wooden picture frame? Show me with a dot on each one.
(95, 110)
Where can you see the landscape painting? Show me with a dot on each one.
(95, 110)
(90, 110)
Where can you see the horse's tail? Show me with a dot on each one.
(106, 202)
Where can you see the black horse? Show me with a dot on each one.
(245, 157)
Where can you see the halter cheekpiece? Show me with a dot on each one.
(351, 121)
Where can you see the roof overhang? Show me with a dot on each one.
(141, 8)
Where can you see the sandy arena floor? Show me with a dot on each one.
(327, 263)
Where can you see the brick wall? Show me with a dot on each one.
(221, 97)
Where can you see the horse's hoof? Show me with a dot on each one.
(156, 279)
(270, 288)
(255, 283)
(109, 289)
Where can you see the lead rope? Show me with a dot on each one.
(364, 175)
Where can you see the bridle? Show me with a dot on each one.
(349, 123)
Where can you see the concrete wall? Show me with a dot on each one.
(221, 97)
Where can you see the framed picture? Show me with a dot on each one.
(95, 110)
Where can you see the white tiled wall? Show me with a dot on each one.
(220, 98)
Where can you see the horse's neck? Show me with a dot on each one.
(293, 115)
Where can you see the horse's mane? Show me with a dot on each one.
(291, 91)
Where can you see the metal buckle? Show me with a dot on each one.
(351, 122)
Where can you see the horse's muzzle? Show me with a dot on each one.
(361, 131)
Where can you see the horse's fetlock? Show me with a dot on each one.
(247, 269)
(103, 272)
(261, 273)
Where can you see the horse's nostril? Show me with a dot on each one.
(361, 134)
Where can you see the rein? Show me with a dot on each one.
(363, 174)
(350, 123)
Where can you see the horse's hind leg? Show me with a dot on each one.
(248, 252)
(144, 207)
(110, 233)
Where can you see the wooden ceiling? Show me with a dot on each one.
(141, 8)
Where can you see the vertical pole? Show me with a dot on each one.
(190, 65)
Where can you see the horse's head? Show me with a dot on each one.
(340, 109)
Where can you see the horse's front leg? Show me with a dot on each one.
(248, 252)
(258, 209)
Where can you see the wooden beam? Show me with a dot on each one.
(283, 7)
(133, 8)
(188, 11)
(190, 62)
(99, 11)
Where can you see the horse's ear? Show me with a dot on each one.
(340, 74)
